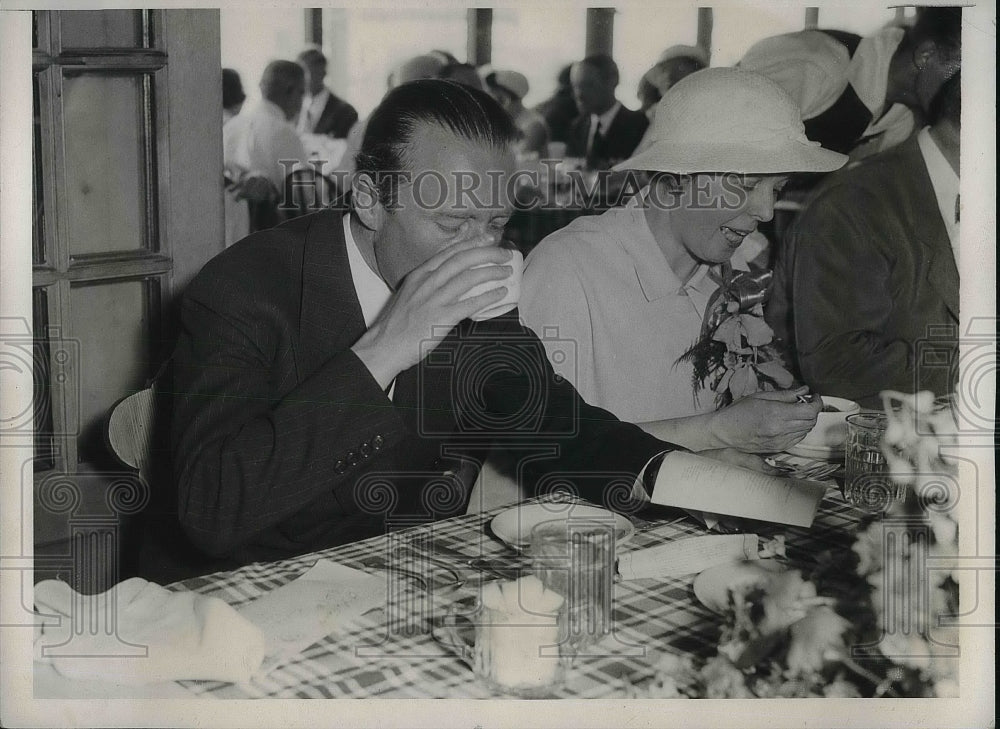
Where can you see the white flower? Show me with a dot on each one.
(816, 639)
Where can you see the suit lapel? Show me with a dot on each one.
(325, 121)
(330, 318)
(930, 232)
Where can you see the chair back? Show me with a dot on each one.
(130, 430)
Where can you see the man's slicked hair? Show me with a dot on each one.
(467, 113)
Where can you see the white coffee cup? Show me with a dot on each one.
(512, 282)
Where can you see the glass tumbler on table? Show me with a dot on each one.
(510, 647)
(575, 558)
(868, 484)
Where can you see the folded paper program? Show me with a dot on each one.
(687, 556)
(138, 632)
(695, 554)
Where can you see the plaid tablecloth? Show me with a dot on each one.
(390, 653)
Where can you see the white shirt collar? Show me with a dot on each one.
(606, 118)
(373, 293)
(312, 109)
(945, 182)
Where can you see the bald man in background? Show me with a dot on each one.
(260, 147)
(260, 137)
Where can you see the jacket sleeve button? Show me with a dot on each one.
(352, 458)
(377, 442)
(339, 467)
(365, 449)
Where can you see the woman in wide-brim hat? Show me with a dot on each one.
(628, 290)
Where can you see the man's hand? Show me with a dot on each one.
(765, 422)
(429, 303)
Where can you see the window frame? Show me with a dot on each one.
(59, 270)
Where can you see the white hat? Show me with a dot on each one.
(730, 120)
(513, 81)
(681, 51)
(811, 66)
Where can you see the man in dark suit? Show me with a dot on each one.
(323, 112)
(866, 288)
(606, 132)
(329, 384)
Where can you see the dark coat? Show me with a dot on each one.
(620, 140)
(337, 118)
(866, 286)
(283, 442)
(559, 111)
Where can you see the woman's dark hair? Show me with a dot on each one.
(468, 113)
(232, 88)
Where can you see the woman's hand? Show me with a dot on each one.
(765, 422)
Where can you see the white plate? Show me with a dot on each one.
(514, 525)
(810, 451)
(712, 586)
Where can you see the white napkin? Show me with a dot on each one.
(138, 632)
(327, 598)
(687, 556)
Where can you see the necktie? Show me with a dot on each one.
(958, 206)
(596, 146)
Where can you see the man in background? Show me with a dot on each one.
(260, 145)
(674, 64)
(866, 290)
(323, 112)
(606, 132)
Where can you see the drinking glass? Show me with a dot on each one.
(868, 485)
(575, 558)
(511, 650)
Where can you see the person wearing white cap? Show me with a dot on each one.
(510, 88)
(630, 288)
(852, 89)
